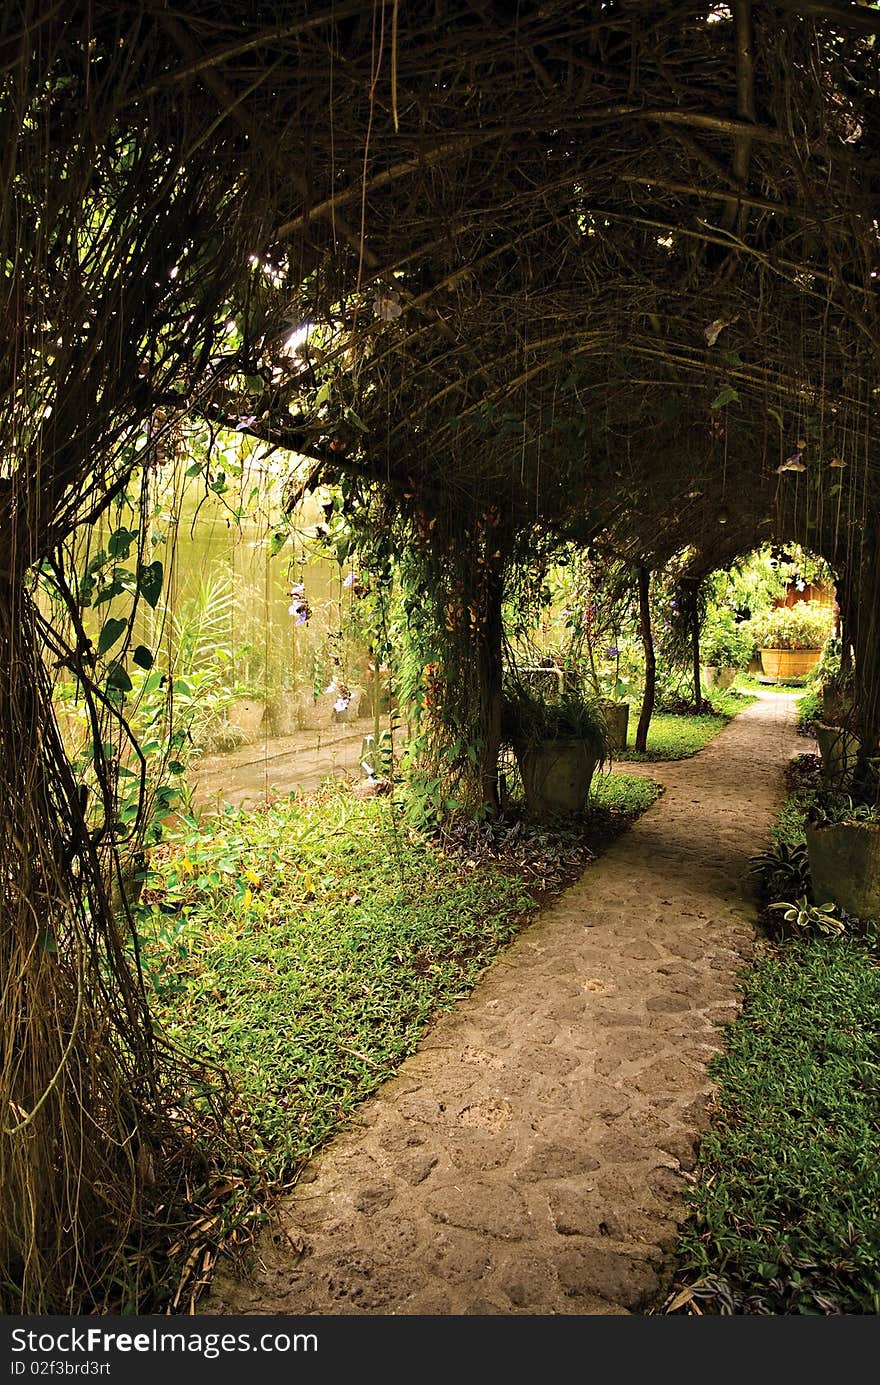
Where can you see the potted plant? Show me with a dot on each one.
(843, 845)
(836, 687)
(611, 689)
(558, 741)
(726, 648)
(790, 638)
(616, 711)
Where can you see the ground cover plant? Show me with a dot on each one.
(809, 711)
(305, 947)
(784, 1213)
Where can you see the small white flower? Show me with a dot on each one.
(387, 305)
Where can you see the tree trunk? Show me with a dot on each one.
(75, 1024)
(650, 659)
(695, 649)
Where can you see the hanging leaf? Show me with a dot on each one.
(122, 579)
(150, 578)
(277, 541)
(117, 679)
(120, 542)
(111, 630)
(726, 395)
(351, 417)
(142, 657)
(323, 395)
(775, 413)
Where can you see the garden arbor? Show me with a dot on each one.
(595, 270)
(563, 271)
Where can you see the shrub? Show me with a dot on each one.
(782, 870)
(724, 642)
(841, 807)
(803, 919)
(568, 716)
(805, 625)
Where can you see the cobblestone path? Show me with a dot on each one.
(530, 1157)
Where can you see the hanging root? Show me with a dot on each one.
(98, 1151)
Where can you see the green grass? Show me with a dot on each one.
(623, 793)
(305, 948)
(675, 737)
(784, 1216)
(310, 945)
(805, 788)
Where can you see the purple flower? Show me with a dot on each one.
(341, 703)
(612, 652)
(299, 607)
(351, 579)
(298, 590)
(245, 421)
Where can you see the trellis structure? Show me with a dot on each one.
(573, 269)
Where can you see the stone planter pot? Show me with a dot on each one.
(284, 713)
(718, 675)
(789, 663)
(617, 721)
(838, 749)
(246, 716)
(836, 706)
(556, 775)
(845, 865)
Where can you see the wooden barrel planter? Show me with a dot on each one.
(789, 663)
(556, 775)
(845, 865)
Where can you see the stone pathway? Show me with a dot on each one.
(530, 1157)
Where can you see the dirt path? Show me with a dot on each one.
(530, 1157)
